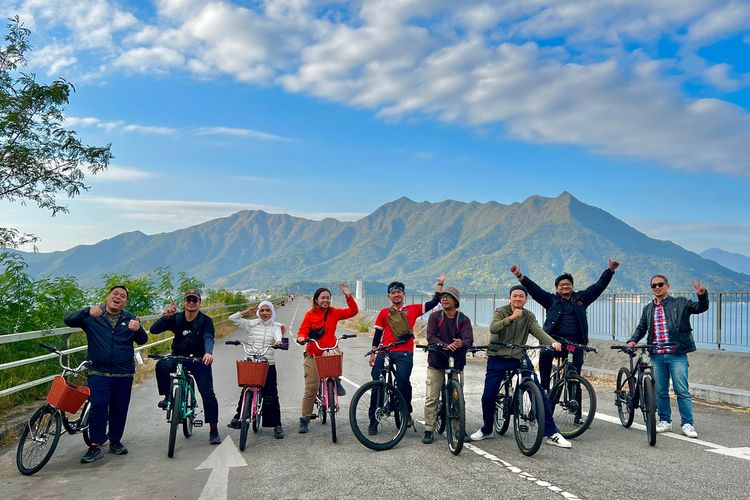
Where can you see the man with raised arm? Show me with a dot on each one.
(566, 312)
(110, 331)
(193, 336)
(397, 323)
(666, 319)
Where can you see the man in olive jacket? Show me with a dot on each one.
(513, 324)
(667, 321)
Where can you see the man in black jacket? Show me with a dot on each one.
(193, 336)
(566, 313)
(667, 321)
(110, 331)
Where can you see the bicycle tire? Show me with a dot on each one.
(258, 405)
(381, 404)
(248, 403)
(573, 402)
(439, 425)
(187, 423)
(321, 404)
(455, 421)
(528, 417)
(502, 408)
(649, 409)
(332, 407)
(33, 453)
(85, 422)
(176, 414)
(624, 397)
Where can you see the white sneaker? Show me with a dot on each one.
(689, 431)
(557, 439)
(663, 426)
(479, 435)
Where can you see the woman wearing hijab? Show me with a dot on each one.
(320, 322)
(262, 332)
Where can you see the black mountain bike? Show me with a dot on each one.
(635, 388)
(572, 397)
(378, 413)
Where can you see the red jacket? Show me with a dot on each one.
(314, 319)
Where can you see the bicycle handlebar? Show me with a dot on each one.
(66, 369)
(251, 350)
(175, 356)
(385, 348)
(644, 347)
(345, 336)
(582, 347)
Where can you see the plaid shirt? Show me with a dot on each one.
(661, 333)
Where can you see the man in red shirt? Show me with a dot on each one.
(402, 356)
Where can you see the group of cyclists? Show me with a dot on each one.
(111, 332)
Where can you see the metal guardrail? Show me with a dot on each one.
(66, 332)
(725, 326)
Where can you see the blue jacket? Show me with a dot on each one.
(552, 302)
(110, 350)
(677, 311)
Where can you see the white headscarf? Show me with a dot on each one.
(273, 312)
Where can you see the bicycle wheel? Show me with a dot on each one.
(573, 402)
(377, 415)
(38, 440)
(439, 425)
(332, 406)
(624, 397)
(649, 409)
(258, 405)
(502, 408)
(84, 419)
(528, 417)
(175, 420)
(187, 424)
(248, 403)
(455, 413)
(320, 404)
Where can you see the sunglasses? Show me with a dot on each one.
(657, 285)
(191, 299)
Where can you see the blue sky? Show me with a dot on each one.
(332, 108)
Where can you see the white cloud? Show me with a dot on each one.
(241, 132)
(118, 173)
(117, 126)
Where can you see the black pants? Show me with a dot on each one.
(203, 379)
(545, 364)
(271, 409)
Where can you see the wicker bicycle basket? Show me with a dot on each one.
(252, 372)
(66, 396)
(331, 365)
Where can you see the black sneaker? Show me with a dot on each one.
(340, 388)
(303, 423)
(428, 437)
(92, 455)
(214, 438)
(234, 424)
(118, 449)
(278, 432)
(162, 404)
(372, 429)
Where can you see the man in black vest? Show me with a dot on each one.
(193, 336)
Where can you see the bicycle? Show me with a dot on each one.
(181, 405)
(329, 367)
(451, 414)
(378, 413)
(519, 395)
(572, 397)
(42, 431)
(640, 391)
(251, 376)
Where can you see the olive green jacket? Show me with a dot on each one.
(502, 329)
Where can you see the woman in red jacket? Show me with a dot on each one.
(321, 316)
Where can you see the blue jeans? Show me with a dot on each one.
(404, 362)
(497, 367)
(676, 367)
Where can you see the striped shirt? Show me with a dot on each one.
(661, 332)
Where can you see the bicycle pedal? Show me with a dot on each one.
(197, 423)
(523, 428)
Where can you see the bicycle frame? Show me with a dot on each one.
(186, 383)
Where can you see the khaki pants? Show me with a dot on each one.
(312, 381)
(435, 377)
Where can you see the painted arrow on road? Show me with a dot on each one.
(219, 462)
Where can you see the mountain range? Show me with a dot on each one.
(735, 261)
(475, 243)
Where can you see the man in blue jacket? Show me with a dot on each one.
(666, 319)
(110, 331)
(566, 313)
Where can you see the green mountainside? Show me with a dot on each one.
(475, 243)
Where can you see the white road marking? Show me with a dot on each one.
(672, 435)
(226, 455)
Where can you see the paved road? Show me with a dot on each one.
(608, 461)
